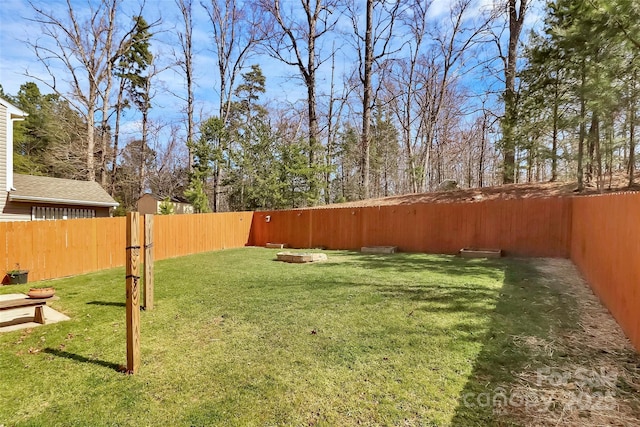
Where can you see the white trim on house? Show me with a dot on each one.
(13, 114)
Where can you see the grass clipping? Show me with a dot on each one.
(595, 377)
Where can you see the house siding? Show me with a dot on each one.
(183, 208)
(15, 211)
(148, 205)
(4, 119)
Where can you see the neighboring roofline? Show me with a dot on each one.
(161, 199)
(153, 196)
(14, 198)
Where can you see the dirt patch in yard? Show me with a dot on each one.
(595, 377)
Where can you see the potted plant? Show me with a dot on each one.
(17, 276)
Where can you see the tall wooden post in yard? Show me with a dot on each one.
(133, 292)
(148, 262)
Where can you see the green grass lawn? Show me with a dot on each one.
(237, 338)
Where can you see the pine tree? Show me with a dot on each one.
(593, 64)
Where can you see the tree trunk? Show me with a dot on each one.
(313, 127)
(593, 142)
(186, 44)
(483, 143)
(143, 148)
(91, 171)
(582, 128)
(330, 136)
(190, 120)
(366, 103)
(216, 184)
(516, 20)
(105, 135)
(112, 55)
(116, 137)
(554, 136)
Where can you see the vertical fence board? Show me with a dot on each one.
(605, 247)
(148, 262)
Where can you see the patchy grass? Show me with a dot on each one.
(237, 338)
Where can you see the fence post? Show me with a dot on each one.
(133, 292)
(148, 262)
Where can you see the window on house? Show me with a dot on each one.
(41, 213)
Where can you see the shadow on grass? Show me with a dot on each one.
(417, 262)
(447, 298)
(79, 358)
(526, 308)
(107, 303)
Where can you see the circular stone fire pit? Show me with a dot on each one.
(300, 258)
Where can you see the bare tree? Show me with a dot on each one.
(427, 82)
(235, 35)
(373, 44)
(407, 77)
(335, 106)
(296, 42)
(87, 49)
(168, 177)
(120, 105)
(185, 62)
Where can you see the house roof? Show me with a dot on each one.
(175, 199)
(44, 189)
(15, 112)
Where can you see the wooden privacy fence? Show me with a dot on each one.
(529, 227)
(51, 249)
(524, 227)
(600, 234)
(605, 247)
(179, 235)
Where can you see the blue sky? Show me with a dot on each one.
(283, 87)
(17, 59)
